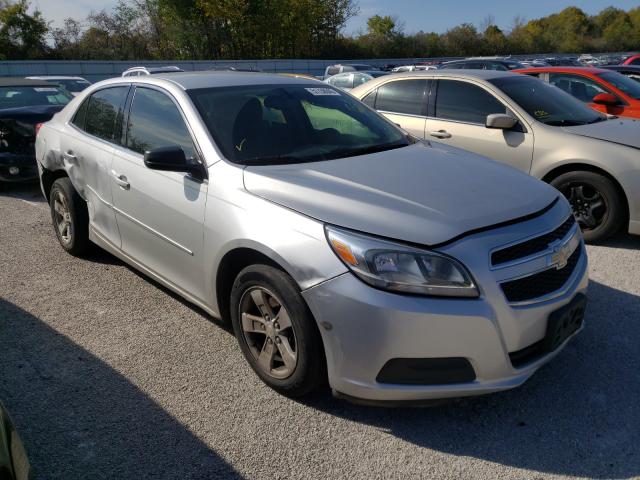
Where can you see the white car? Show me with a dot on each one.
(138, 71)
(348, 80)
(73, 85)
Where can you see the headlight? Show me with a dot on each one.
(401, 268)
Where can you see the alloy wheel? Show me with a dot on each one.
(588, 204)
(62, 215)
(269, 333)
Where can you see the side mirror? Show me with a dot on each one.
(501, 121)
(605, 99)
(172, 159)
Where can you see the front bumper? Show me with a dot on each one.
(26, 165)
(364, 328)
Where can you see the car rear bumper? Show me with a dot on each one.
(364, 328)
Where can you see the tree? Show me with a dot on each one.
(22, 35)
(462, 40)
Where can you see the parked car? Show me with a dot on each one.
(140, 71)
(336, 244)
(562, 62)
(632, 60)
(481, 64)
(73, 85)
(411, 68)
(348, 67)
(531, 125)
(604, 90)
(231, 68)
(588, 60)
(23, 105)
(631, 71)
(532, 63)
(14, 463)
(348, 80)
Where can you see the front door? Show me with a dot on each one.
(160, 214)
(458, 119)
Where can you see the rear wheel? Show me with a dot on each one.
(596, 203)
(276, 331)
(70, 217)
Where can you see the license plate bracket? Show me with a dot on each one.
(564, 322)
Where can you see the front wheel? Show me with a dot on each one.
(595, 201)
(276, 331)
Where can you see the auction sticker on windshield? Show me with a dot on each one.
(321, 91)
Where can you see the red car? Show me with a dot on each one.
(632, 60)
(604, 90)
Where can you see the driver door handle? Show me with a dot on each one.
(121, 180)
(440, 134)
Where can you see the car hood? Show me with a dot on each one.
(424, 193)
(618, 130)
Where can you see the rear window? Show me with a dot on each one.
(27, 96)
(104, 113)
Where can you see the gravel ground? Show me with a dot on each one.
(108, 375)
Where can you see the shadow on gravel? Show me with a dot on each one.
(578, 416)
(79, 418)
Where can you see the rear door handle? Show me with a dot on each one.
(440, 134)
(121, 180)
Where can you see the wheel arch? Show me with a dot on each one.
(48, 177)
(586, 167)
(231, 263)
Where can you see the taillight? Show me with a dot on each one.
(38, 126)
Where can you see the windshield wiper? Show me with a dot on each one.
(353, 152)
(275, 160)
(566, 123)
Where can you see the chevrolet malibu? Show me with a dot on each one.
(519, 120)
(338, 247)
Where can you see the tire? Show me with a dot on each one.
(597, 222)
(75, 239)
(272, 287)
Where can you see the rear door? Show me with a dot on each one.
(160, 214)
(402, 102)
(87, 152)
(458, 115)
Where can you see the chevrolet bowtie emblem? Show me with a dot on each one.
(561, 252)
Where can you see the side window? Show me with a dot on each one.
(635, 62)
(81, 114)
(402, 96)
(155, 121)
(370, 99)
(104, 114)
(583, 88)
(465, 102)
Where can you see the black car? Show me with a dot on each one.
(631, 71)
(483, 64)
(14, 464)
(24, 103)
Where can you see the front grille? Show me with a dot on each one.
(540, 284)
(533, 246)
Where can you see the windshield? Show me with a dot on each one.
(622, 83)
(276, 124)
(21, 96)
(546, 103)
(74, 86)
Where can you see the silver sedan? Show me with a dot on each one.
(338, 247)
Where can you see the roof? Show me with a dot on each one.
(194, 80)
(589, 70)
(23, 82)
(455, 72)
(54, 77)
